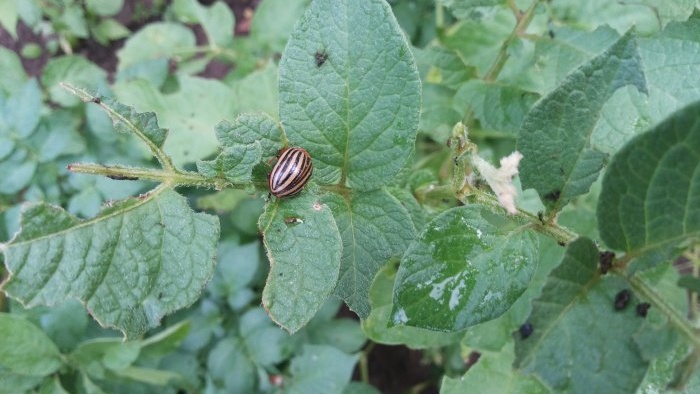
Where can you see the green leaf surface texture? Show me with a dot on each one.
(494, 374)
(374, 227)
(304, 248)
(580, 343)
(555, 136)
(251, 138)
(350, 92)
(137, 261)
(26, 350)
(320, 369)
(651, 190)
(377, 326)
(468, 265)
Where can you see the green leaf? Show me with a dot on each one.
(377, 325)
(651, 191)
(244, 143)
(108, 30)
(304, 248)
(265, 344)
(155, 41)
(8, 16)
(356, 112)
(374, 227)
(270, 28)
(493, 373)
(499, 108)
(463, 8)
(75, 70)
(569, 49)
(647, 16)
(320, 369)
(235, 163)
(230, 368)
(216, 19)
(478, 40)
(669, 57)
(13, 76)
(443, 66)
(134, 263)
(22, 111)
(104, 7)
(580, 343)
(25, 349)
(189, 114)
(555, 136)
(257, 91)
(469, 265)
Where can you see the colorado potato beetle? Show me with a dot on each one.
(290, 173)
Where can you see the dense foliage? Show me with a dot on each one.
(142, 251)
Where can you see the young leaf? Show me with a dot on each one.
(135, 262)
(555, 137)
(651, 191)
(216, 20)
(469, 265)
(494, 373)
(156, 40)
(320, 369)
(304, 248)
(579, 341)
(25, 349)
(374, 226)
(350, 92)
(245, 142)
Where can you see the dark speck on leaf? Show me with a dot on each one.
(96, 100)
(553, 195)
(605, 259)
(321, 58)
(122, 178)
(526, 330)
(551, 34)
(643, 308)
(622, 299)
(472, 359)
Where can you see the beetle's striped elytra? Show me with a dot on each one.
(290, 173)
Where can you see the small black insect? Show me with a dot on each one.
(553, 195)
(526, 330)
(622, 299)
(551, 34)
(560, 243)
(643, 308)
(321, 58)
(605, 259)
(96, 100)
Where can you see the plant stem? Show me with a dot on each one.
(364, 362)
(523, 22)
(676, 320)
(171, 177)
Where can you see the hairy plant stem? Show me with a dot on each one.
(676, 320)
(169, 177)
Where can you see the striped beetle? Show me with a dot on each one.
(290, 173)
